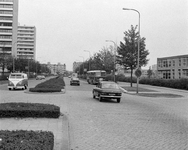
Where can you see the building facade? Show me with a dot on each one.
(57, 68)
(8, 26)
(174, 67)
(26, 42)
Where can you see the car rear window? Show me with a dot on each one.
(110, 85)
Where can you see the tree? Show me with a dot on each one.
(149, 72)
(128, 51)
(4, 56)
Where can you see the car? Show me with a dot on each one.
(74, 81)
(17, 81)
(107, 90)
(40, 77)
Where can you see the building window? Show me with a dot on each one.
(169, 63)
(173, 63)
(179, 61)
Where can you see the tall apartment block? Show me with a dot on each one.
(8, 26)
(26, 42)
(174, 67)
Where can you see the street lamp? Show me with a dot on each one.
(83, 63)
(13, 54)
(138, 66)
(115, 49)
(89, 58)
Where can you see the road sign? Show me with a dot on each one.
(138, 73)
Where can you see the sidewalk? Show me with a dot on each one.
(59, 126)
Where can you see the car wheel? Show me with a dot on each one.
(118, 100)
(94, 95)
(100, 98)
(9, 89)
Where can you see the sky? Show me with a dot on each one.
(71, 30)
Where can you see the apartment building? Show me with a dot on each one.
(26, 42)
(8, 26)
(174, 67)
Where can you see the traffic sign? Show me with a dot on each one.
(138, 73)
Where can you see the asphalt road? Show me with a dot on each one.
(136, 123)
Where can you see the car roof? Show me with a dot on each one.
(108, 82)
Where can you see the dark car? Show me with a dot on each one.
(74, 81)
(108, 90)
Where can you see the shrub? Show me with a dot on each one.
(171, 83)
(26, 140)
(51, 85)
(29, 110)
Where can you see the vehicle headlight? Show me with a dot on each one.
(10, 83)
(19, 83)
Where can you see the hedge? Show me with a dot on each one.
(170, 83)
(51, 85)
(26, 140)
(23, 110)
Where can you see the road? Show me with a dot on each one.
(136, 123)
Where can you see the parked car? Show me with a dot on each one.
(108, 90)
(74, 81)
(17, 81)
(40, 77)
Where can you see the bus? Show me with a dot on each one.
(94, 76)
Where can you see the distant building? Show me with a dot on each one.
(57, 68)
(8, 26)
(174, 67)
(26, 42)
(76, 65)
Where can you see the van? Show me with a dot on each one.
(17, 81)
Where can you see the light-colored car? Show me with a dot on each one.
(40, 77)
(107, 90)
(74, 81)
(17, 81)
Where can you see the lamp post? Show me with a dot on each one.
(115, 49)
(13, 54)
(89, 58)
(138, 66)
(83, 63)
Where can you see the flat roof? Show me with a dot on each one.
(178, 56)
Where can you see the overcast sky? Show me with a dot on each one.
(65, 28)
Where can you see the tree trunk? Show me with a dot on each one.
(131, 77)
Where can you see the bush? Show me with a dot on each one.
(45, 90)
(26, 140)
(51, 85)
(29, 110)
(171, 83)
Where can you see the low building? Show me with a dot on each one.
(57, 68)
(174, 67)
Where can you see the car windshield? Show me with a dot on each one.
(110, 85)
(16, 76)
(75, 79)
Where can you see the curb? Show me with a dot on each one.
(65, 134)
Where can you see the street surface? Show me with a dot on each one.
(136, 123)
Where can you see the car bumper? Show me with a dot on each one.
(109, 96)
(16, 87)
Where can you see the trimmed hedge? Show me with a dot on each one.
(44, 90)
(51, 85)
(171, 83)
(26, 140)
(8, 110)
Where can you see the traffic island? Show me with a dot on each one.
(50, 86)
